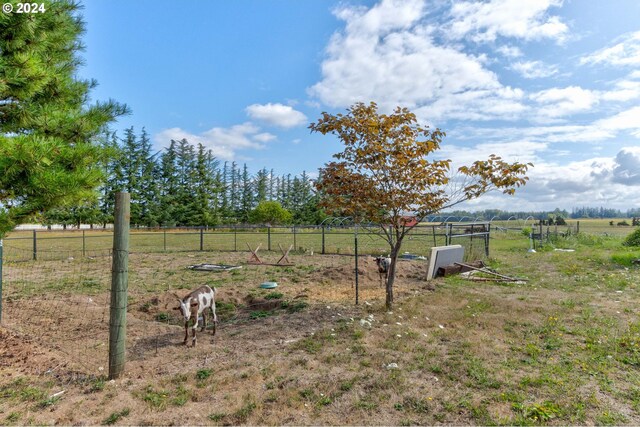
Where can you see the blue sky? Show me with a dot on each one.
(552, 82)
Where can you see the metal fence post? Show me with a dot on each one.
(356, 252)
(164, 240)
(84, 244)
(433, 230)
(119, 286)
(235, 238)
(35, 245)
(486, 240)
(201, 239)
(295, 246)
(323, 240)
(269, 238)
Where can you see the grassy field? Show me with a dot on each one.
(62, 244)
(562, 347)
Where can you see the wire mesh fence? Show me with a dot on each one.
(58, 294)
(37, 244)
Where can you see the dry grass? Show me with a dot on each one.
(562, 348)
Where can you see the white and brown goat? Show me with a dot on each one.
(193, 306)
(383, 263)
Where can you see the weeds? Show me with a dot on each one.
(116, 416)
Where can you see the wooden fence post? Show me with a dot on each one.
(119, 286)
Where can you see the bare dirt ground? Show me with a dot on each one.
(59, 344)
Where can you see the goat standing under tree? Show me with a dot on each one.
(383, 264)
(384, 173)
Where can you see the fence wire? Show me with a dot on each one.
(60, 297)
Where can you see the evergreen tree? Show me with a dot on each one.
(207, 188)
(185, 207)
(262, 185)
(272, 193)
(131, 168)
(168, 186)
(49, 154)
(114, 177)
(149, 189)
(233, 191)
(225, 211)
(246, 198)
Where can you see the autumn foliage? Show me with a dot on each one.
(389, 169)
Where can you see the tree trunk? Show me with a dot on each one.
(395, 249)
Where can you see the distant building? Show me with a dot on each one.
(408, 220)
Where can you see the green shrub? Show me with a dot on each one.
(526, 231)
(625, 258)
(632, 239)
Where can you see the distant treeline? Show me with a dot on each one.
(576, 213)
(185, 185)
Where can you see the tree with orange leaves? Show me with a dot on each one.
(387, 170)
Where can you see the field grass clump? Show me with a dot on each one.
(625, 259)
(633, 239)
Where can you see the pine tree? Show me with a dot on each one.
(234, 194)
(149, 190)
(225, 211)
(168, 186)
(246, 196)
(185, 207)
(207, 188)
(261, 185)
(49, 155)
(112, 171)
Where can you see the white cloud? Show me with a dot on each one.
(627, 166)
(278, 115)
(264, 137)
(394, 60)
(559, 102)
(514, 151)
(534, 69)
(223, 142)
(598, 181)
(626, 120)
(624, 90)
(486, 20)
(510, 51)
(386, 16)
(626, 52)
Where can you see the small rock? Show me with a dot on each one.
(365, 323)
(392, 366)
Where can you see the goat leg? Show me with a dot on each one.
(215, 318)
